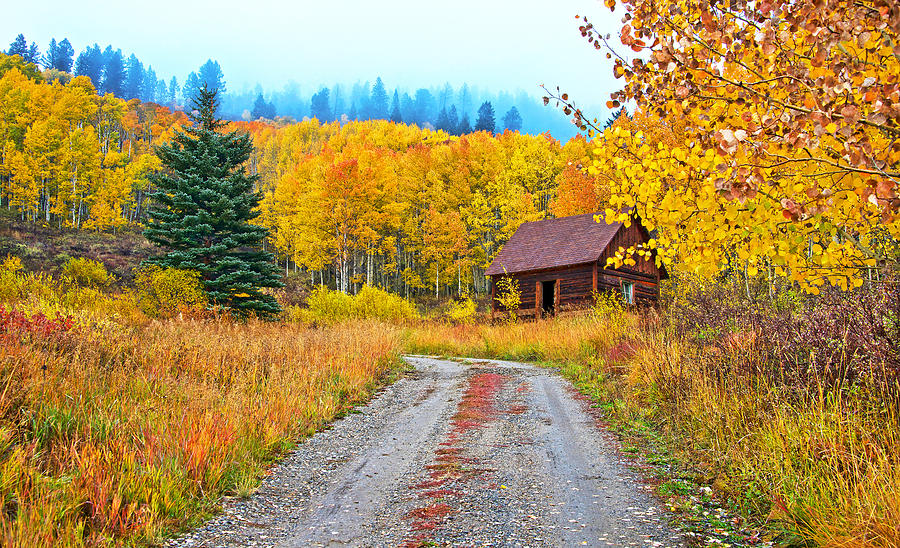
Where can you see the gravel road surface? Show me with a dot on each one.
(478, 453)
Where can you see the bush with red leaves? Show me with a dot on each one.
(834, 338)
(37, 327)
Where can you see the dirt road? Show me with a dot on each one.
(484, 453)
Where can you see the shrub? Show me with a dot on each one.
(9, 277)
(16, 284)
(832, 338)
(462, 311)
(374, 303)
(11, 264)
(328, 307)
(168, 291)
(509, 295)
(86, 272)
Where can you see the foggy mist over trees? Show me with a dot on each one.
(457, 109)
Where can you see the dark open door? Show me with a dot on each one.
(549, 297)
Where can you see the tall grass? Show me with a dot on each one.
(819, 460)
(116, 432)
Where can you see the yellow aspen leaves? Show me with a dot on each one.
(764, 134)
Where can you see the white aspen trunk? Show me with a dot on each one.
(74, 179)
(46, 202)
(346, 277)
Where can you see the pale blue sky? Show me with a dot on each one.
(495, 45)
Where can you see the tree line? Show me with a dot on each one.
(411, 209)
(445, 108)
(71, 157)
(415, 211)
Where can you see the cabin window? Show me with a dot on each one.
(628, 292)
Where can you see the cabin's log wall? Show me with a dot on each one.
(646, 288)
(576, 284)
(627, 237)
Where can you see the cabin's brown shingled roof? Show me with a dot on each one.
(554, 243)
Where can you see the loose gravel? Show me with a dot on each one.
(479, 453)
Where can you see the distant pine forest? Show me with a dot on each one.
(454, 109)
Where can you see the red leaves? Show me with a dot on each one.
(850, 114)
(886, 189)
(790, 209)
(707, 20)
(728, 140)
(15, 322)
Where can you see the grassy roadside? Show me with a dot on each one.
(119, 434)
(803, 465)
(120, 429)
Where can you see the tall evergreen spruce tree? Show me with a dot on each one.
(485, 121)
(202, 211)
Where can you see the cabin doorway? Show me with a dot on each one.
(548, 297)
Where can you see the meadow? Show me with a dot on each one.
(118, 427)
(127, 414)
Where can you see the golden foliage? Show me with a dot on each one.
(73, 158)
(765, 137)
(168, 291)
(508, 295)
(125, 432)
(86, 272)
(328, 307)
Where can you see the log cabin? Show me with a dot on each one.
(560, 263)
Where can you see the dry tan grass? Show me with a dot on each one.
(821, 464)
(112, 434)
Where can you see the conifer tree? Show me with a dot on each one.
(443, 122)
(464, 127)
(114, 73)
(192, 86)
(173, 91)
(512, 120)
(211, 75)
(148, 90)
(378, 104)
(613, 117)
(485, 121)
(58, 56)
(262, 109)
(50, 56)
(18, 46)
(64, 55)
(134, 78)
(33, 55)
(202, 213)
(90, 63)
(453, 118)
(320, 107)
(396, 117)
